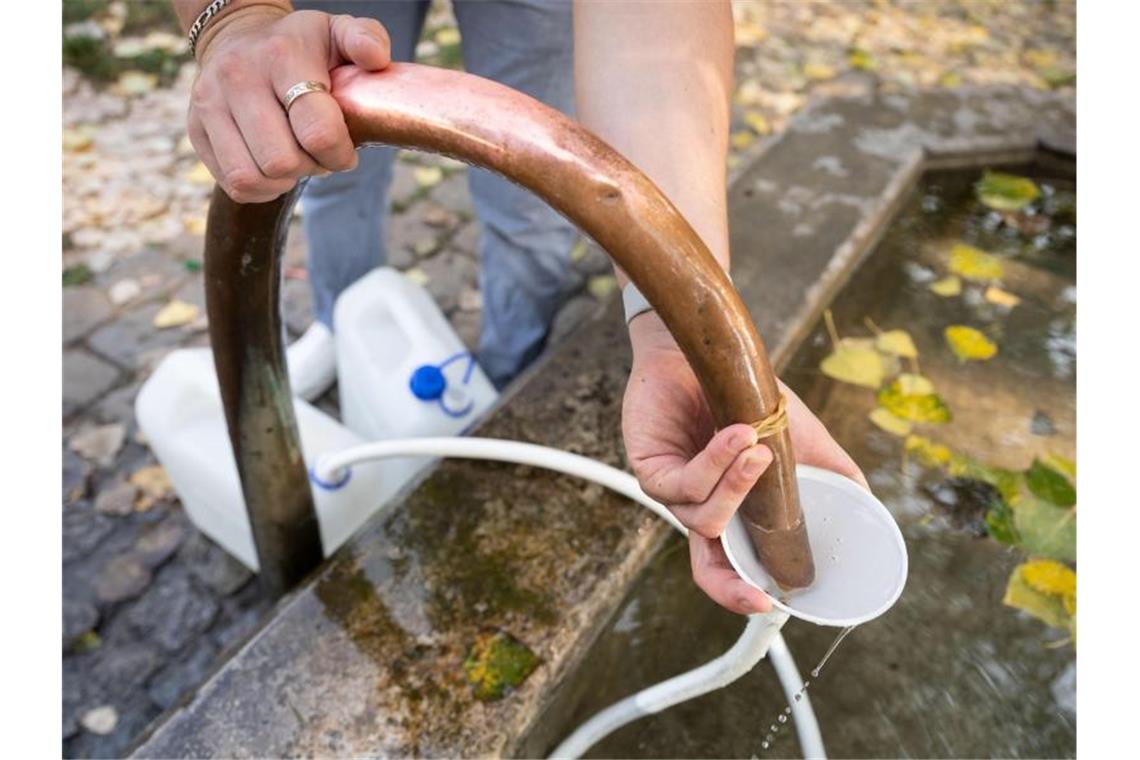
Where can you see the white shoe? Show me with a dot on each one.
(312, 362)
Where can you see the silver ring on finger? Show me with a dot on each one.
(302, 88)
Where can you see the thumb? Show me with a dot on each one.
(363, 41)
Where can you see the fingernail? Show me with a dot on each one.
(753, 465)
(743, 440)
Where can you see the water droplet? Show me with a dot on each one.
(834, 558)
(799, 696)
(783, 718)
(788, 709)
(815, 673)
(763, 745)
(773, 728)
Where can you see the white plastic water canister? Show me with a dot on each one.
(401, 369)
(179, 409)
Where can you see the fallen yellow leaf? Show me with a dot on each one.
(890, 423)
(78, 139)
(175, 314)
(914, 385)
(999, 297)
(819, 71)
(855, 362)
(447, 36)
(896, 342)
(742, 139)
(947, 286)
(974, 263)
(757, 122)
(928, 452)
(749, 33)
(969, 344)
(153, 484)
(428, 176)
(1050, 577)
(1046, 607)
(861, 60)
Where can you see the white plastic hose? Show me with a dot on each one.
(761, 635)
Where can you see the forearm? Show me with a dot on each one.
(654, 80)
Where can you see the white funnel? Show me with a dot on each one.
(860, 557)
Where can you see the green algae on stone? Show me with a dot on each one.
(496, 664)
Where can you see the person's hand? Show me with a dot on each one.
(237, 123)
(700, 476)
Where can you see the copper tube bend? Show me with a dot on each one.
(490, 125)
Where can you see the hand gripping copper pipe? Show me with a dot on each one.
(492, 126)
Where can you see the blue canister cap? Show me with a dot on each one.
(428, 382)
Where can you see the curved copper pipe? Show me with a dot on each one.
(490, 125)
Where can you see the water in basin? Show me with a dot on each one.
(951, 670)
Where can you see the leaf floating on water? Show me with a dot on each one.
(428, 176)
(890, 423)
(1046, 530)
(896, 342)
(1006, 192)
(947, 286)
(1050, 577)
(1066, 467)
(928, 452)
(855, 362)
(1047, 483)
(911, 384)
(925, 407)
(175, 314)
(1000, 525)
(1048, 608)
(974, 263)
(969, 344)
(1007, 482)
(999, 297)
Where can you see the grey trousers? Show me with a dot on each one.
(524, 245)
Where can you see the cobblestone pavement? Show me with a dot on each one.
(149, 604)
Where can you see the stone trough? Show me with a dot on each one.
(407, 642)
